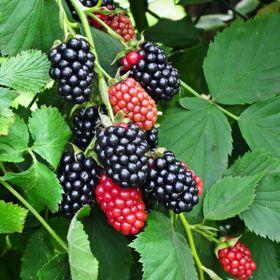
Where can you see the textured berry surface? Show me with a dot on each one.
(78, 177)
(124, 208)
(121, 150)
(122, 25)
(86, 121)
(72, 66)
(152, 137)
(129, 97)
(153, 72)
(237, 261)
(169, 182)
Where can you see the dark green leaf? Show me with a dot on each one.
(50, 133)
(14, 145)
(83, 264)
(39, 185)
(164, 252)
(242, 64)
(230, 196)
(260, 125)
(12, 217)
(188, 2)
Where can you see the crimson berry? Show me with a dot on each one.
(132, 57)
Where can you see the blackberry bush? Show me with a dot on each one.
(121, 150)
(72, 66)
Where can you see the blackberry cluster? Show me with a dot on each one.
(155, 74)
(169, 182)
(121, 150)
(86, 121)
(78, 177)
(72, 66)
(152, 137)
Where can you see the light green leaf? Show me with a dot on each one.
(26, 24)
(39, 185)
(83, 265)
(242, 64)
(230, 196)
(195, 137)
(26, 72)
(12, 217)
(15, 144)
(50, 133)
(260, 125)
(6, 98)
(55, 269)
(263, 216)
(164, 252)
(264, 254)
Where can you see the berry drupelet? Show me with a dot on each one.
(78, 177)
(124, 208)
(86, 121)
(169, 182)
(72, 66)
(121, 150)
(152, 137)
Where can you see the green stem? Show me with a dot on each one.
(192, 246)
(171, 217)
(205, 235)
(36, 214)
(195, 93)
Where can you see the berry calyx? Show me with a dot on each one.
(237, 260)
(129, 97)
(124, 208)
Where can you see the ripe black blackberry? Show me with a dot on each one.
(72, 66)
(169, 182)
(152, 137)
(121, 149)
(155, 74)
(78, 177)
(86, 121)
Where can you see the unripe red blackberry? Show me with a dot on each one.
(152, 70)
(129, 97)
(86, 121)
(72, 66)
(237, 261)
(121, 150)
(78, 177)
(169, 182)
(124, 208)
(152, 137)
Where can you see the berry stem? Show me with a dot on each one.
(195, 93)
(207, 236)
(192, 246)
(36, 214)
(171, 217)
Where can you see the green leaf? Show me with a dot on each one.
(40, 186)
(164, 252)
(115, 259)
(15, 144)
(260, 125)
(6, 97)
(83, 264)
(242, 64)
(195, 137)
(189, 2)
(50, 133)
(264, 214)
(264, 254)
(12, 217)
(26, 72)
(37, 253)
(55, 269)
(230, 196)
(24, 25)
(176, 34)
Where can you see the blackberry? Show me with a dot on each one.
(78, 177)
(169, 182)
(121, 149)
(86, 122)
(155, 74)
(72, 65)
(152, 137)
